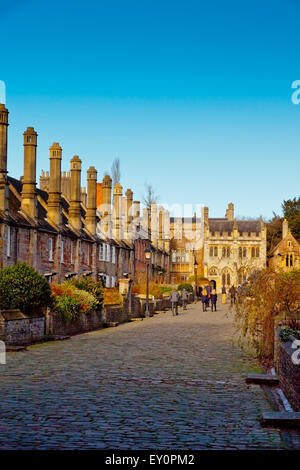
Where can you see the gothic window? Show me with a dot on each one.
(223, 279)
(215, 251)
(211, 251)
(228, 279)
(8, 247)
(228, 252)
(287, 260)
(240, 278)
(244, 252)
(240, 252)
(223, 252)
(257, 252)
(253, 252)
(291, 260)
(62, 254)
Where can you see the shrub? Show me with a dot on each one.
(23, 288)
(86, 300)
(67, 308)
(112, 296)
(185, 286)
(93, 287)
(285, 334)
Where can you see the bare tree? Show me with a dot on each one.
(115, 171)
(150, 196)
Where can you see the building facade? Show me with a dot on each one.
(285, 256)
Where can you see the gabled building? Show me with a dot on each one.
(286, 254)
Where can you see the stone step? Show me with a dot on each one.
(265, 379)
(136, 319)
(56, 338)
(10, 348)
(111, 324)
(282, 418)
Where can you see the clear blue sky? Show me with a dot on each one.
(192, 96)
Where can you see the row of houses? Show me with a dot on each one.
(61, 229)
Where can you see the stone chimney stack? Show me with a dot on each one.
(3, 158)
(285, 229)
(91, 200)
(118, 191)
(154, 228)
(136, 213)
(161, 228)
(129, 216)
(29, 202)
(54, 200)
(75, 197)
(230, 212)
(205, 215)
(166, 232)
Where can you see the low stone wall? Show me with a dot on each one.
(289, 374)
(114, 313)
(22, 331)
(86, 322)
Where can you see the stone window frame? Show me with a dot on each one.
(101, 251)
(8, 245)
(50, 249)
(62, 251)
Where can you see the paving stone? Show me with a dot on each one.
(167, 382)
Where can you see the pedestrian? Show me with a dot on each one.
(184, 296)
(213, 300)
(204, 299)
(232, 291)
(174, 302)
(223, 295)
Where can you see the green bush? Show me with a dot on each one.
(67, 308)
(185, 286)
(285, 334)
(93, 287)
(23, 288)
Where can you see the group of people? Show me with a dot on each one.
(208, 297)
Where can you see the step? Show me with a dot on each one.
(56, 338)
(282, 418)
(111, 324)
(136, 319)
(265, 379)
(10, 348)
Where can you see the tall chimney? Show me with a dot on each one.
(29, 202)
(75, 197)
(285, 229)
(3, 158)
(118, 190)
(154, 230)
(166, 231)
(106, 209)
(160, 228)
(230, 212)
(129, 216)
(90, 217)
(54, 200)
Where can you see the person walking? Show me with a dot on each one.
(204, 299)
(232, 291)
(174, 302)
(184, 297)
(223, 295)
(213, 300)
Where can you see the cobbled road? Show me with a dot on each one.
(161, 383)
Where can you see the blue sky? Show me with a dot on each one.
(192, 96)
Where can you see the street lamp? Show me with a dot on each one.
(195, 274)
(148, 254)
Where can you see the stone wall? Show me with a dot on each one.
(22, 331)
(86, 322)
(289, 374)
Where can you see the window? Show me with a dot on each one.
(113, 254)
(240, 252)
(71, 252)
(253, 252)
(211, 252)
(228, 252)
(223, 252)
(101, 252)
(173, 256)
(244, 252)
(257, 252)
(107, 281)
(8, 247)
(62, 247)
(223, 279)
(50, 245)
(108, 253)
(215, 251)
(187, 257)
(228, 279)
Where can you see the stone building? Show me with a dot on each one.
(59, 228)
(226, 250)
(286, 254)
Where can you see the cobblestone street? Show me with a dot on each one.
(161, 383)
